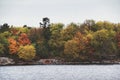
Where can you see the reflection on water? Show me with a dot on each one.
(60, 72)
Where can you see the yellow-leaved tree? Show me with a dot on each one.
(27, 52)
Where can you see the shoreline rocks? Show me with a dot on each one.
(6, 61)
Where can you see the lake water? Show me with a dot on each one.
(60, 72)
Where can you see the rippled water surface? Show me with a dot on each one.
(60, 72)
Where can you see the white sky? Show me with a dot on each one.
(31, 12)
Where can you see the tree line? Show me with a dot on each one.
(88, 41)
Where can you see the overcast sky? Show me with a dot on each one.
(31, 12)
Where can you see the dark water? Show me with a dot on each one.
(60, 72)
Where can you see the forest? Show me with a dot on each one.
(87, 41)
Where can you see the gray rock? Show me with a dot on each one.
(6, 61)
(47, 61)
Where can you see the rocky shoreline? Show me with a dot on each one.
(4, 61)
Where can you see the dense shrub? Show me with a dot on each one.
(27, 52)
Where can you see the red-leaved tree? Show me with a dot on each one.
(23, 39)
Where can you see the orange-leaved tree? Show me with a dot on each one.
(15, 43)
(79, 47)
(23, 39)
(13, 46)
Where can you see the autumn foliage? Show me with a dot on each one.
(14, 31)
(13, 46)
(27, 52)
(75, 42)
(23, 39)
(15, 43)
(78, 47)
